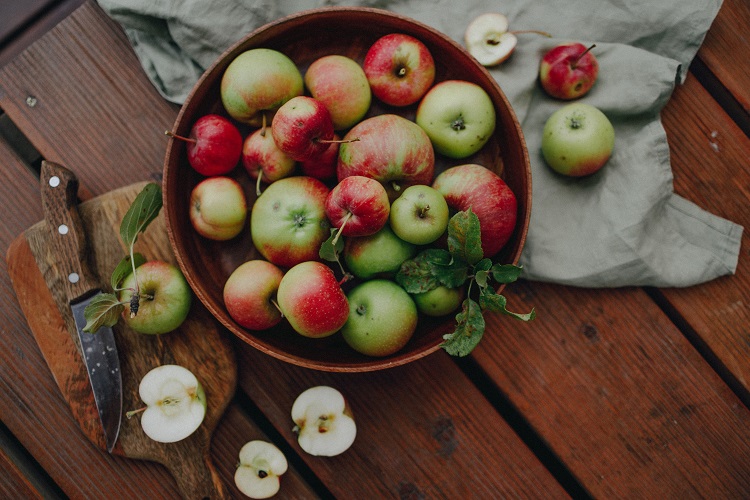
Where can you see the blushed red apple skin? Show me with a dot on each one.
(218, 208)
(391, 54)
(312, 301)
(217, 146)
(340, 83)
(489, 197)
(260, 154)
(248, 293)
(366, 200)
(391, 149)
(565, 74)
(323, 166)
(302, 127)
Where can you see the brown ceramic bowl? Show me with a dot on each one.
(304, 37)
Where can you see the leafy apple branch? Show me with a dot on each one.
(105, 309)
(463, 261)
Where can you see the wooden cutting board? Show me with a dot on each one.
(200, 344)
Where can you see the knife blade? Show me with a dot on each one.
(59, 188)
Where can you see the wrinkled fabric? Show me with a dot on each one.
(624, 225)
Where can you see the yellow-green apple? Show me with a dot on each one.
(175, 403)
(323, 166)
(487, 38)
(311, 299)
(400, 69)
(288, 222)
(260, 468)
(420, 215)
(323, 420)
(358, 206)
(164, 298)
(257, 82)
(378, 255)
(302, 128)
(458, 116)
(213, 146)
(391, 149)
(568, 71)
(340, 83)
(577, 139)
(249, 294)
(472, 186)
(439, 301)
(382, 318)
(218, 208)
(263, 159)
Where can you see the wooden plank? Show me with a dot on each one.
(13, 481)
(423, 431)
(97, 90)
(710, 162)
(726, 49)
(619, 394)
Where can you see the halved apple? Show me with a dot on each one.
(324, 422)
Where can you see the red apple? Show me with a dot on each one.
(358, 206)
(568, 71)
(218, 208)
(302, 128)
(323, 166)
(391, 149)
(400, 69)
(249, 293)
(340, 83)
(263, 159)
(288, 222)
(489, 197)
(213, 145)
(311, 299)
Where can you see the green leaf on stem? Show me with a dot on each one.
(415, 276)
(465, 237)
(469, 330)
(332, 247)
(505, 273)
(144, 209)
(124, 268)
(490, 300)
(103, 310)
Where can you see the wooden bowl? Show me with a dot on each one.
(304, 37)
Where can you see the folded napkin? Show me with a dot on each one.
(622, 226)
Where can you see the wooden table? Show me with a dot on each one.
(631, 392)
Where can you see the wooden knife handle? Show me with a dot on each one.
(59, 188)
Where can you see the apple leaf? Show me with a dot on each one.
(332, 247)
(141, 213)
(124, 268)
(415, 275)
(469, 330)
(505, 273)
(103, 310)
(490, 300)
(465, 237)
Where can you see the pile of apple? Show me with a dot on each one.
(333, 180)
(578, 139)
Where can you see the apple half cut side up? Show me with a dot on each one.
(487, 38)
(323, 421)
(175, 403)
(260, 469)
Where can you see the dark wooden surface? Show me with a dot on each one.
(626, 393)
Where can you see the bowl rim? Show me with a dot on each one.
(180, 125)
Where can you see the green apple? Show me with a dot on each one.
(257, 82)
(377, 255)
(218, 208)
(420, 215)
(164, 298)
(382, 318)
(175, 403)
(458, 116)
(439, 301)
(577, 139)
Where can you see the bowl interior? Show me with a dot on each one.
(304, 37)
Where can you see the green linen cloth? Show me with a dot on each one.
(622, 226)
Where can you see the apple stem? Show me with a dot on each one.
(263, 125)
(182, 138)
(341, 228)
(337, 141)
(132, 413)
(423, 212)
(258, 181)
(345, 278)
(276, 305)
(574, 63)
(536, 32)
(395, 186)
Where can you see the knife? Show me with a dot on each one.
(59, 188)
